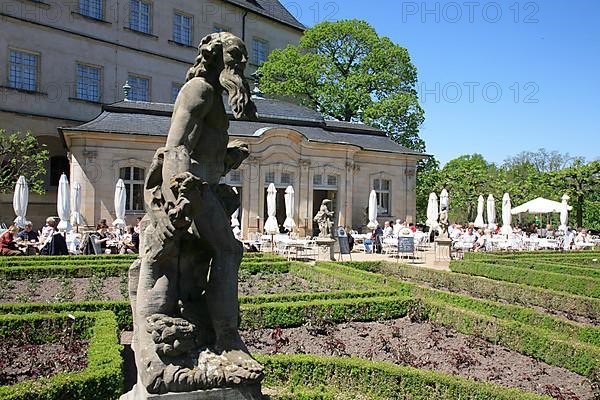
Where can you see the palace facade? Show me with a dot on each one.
(289, 146)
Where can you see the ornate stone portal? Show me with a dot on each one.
(183, 288)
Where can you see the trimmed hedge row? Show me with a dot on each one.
(291, 314)
(558, 326)
(513, 293)
(546, 266)
(87, 270)
(103, 377)
(549, 280)
(377, 380)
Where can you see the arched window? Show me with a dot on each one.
(133, 177)
(382, 188)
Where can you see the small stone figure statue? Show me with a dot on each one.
(323, 219)
(184, 287)
(444, 223)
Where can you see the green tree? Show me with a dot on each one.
(465, 178)
(581, 182)
(346, 71)
(21, 154)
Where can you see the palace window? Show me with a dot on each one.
(139, 16)
(382, 188)
(270, 177)
(23, 70)
(259, 51)
(133, 177)
(325, 181)
(182, 29)
(91, 8)
(88, 82)
(140, 88)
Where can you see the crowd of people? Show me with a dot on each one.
(49, 241)
(468, 238)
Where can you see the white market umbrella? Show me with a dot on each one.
(564, 213)
(372, 210)
(20, 200)
(539, 206)
(432, 212)
(120, 200)
(506, 215)
(76, 213)
(289, 223)
(479, 222)
(491, 212)
(271, 225)
(235, 223)
(444, 199)
(63, 204)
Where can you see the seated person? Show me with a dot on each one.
(48, 229)
(28, 234)
(583, 239)
(8, 246)
(468, 239)
(388, 229)
(100, 237)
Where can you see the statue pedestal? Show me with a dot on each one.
(443, 249)
(240, 393)
(327, 242)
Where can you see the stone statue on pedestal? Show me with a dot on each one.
(183, 289)
(323, 219)
(444, 223)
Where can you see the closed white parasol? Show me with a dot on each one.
(564, 213)
(479, 222)
(506, 215)
(76, 213)
(289, 223)
(120, 200)
(432, 212)
(372, 210)
(20, 200)
(235, 222)
(491, 212)
(271, 225)
(63, 204)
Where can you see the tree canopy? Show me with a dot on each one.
(346, 71)
(21, 154)
(525, 177)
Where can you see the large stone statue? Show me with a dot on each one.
(323, 219)
(183, 289)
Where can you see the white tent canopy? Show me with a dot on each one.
(539, 206)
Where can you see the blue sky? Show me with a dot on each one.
(495, 78)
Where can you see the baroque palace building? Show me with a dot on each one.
(61, 61)
(289, 146)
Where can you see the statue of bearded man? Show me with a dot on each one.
(183, 289)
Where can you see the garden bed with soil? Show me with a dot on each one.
(425, 346)
(32, 361)
(59, 290)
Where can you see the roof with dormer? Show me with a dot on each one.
(153, 119)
